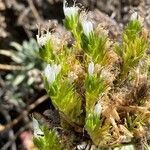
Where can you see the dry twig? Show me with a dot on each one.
(24, 113)
(11, 67)
(34, 11)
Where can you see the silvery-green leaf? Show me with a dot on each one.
(16, 45)
(19, 79)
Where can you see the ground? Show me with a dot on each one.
(18, 22)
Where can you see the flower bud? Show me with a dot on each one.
(98, 109)
(91, 68)
(70, 11)
(36, 129)
(87, 28)
(51, 72)
(43, 39)
(134, 16)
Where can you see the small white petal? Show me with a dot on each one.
(43, 38)
(52, 77)
(91, 68)
(98, 109)
(70, 11)
(87, 27)
(36, 129)
(56, 69)
(134, 16)
(47, 70)
(51, 72)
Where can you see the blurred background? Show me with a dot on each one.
(22, 93)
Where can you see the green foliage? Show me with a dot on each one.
(94, 86)
(49, 141)
(82, 95)
(92, 122)
(71, 22)
(132, 30)
(98, 132)
(133, 47)
(65, 99)
(94, 46)
(135, 122)
(46, 53)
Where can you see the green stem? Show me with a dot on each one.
(77, 37)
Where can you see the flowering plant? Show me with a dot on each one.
(94, 83)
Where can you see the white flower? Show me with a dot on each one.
(56, 69)
(134, 16)
(87, 27)
(70, 11)
(36, 129)
(43, 39)
(98, 109)
(91, 68)
(51, 72)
